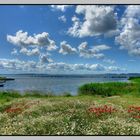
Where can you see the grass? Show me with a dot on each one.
(107, 89)
(112, 88)
(87, 114)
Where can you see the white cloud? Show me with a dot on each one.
(30, 52)
(31, 66)
(112, 33)
(95, 51)
(109, 61)
(82, 67)
(14, 52)
(75, 67)
(22, 39)
(89, 67)
(44, 40)
(99, 48)
(97, 67)
(62, 18)
(44, 58)
(129, 38)
(66, 48)
(115, 69)
(59, 66)
(35, 45)
(15, 64)
(60, 7)
(132, 11)
(97, 20)
(75, 29)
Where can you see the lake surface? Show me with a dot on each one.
(55, 84)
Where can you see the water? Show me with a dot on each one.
(55, 84)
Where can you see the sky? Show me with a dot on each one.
(69, 39)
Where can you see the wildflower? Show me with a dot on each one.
(134, 111)
(13, 110)
(138, 117)
(101, 110)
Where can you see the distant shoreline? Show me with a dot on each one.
(105, 75)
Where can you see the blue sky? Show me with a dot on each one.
(69, 39)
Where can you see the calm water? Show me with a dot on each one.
(57, 85)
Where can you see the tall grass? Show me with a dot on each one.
(16, 94)
(134, 78)
(107, 89)
(35, 94)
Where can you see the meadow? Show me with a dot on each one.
(98, 109)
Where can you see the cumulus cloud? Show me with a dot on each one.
(132, 11)
(66, 48)
(95, 51)
(62, 18)
(97, 20)
(129, 38)
(97, 67)
(75, 67)
(35, 45)
(31, 66)
(22, 39)
(76, 27)
(44, 58)
(15, 64)
(59, 66)
(60, 7)
(30, 52)
(82, 67)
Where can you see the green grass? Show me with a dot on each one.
(112, 88)
(107, 89)
(68, 116)
(35, 114)
(134, 78)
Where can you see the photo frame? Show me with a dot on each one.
(62, 2)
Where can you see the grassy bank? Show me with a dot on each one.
(88, 114)
(112, 88)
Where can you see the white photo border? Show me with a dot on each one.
(36, 2)
(69, 2)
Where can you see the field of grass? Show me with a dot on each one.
(90, 113)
